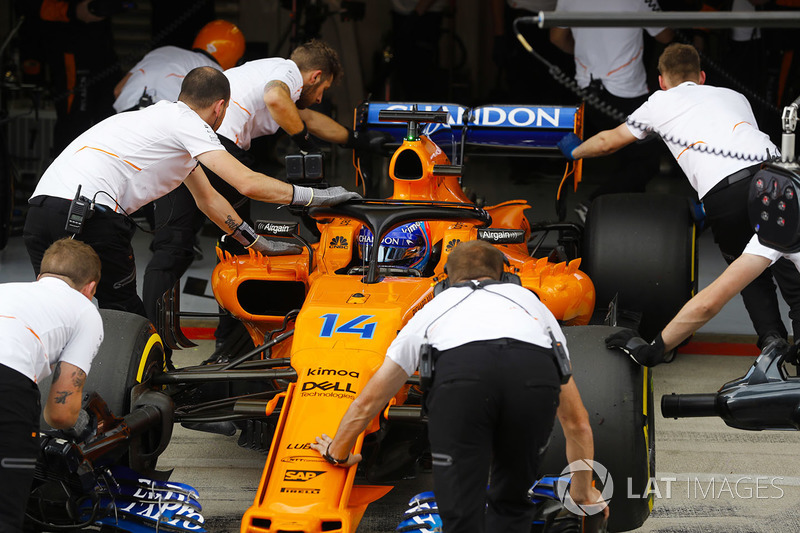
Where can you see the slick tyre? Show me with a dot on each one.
(641, 246)
(618, 396)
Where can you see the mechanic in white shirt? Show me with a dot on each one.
(495, 376)
(48, 324)
(158, 76)
(697, 122)
(133, 158)
(609, 63)
(175, 217)
(266, 95)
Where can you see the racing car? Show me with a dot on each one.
(320, 322)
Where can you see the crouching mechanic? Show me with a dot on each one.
(48, 323)
(495, 394)
(131, 159)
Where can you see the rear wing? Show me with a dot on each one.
(502, 130)
(499, 128)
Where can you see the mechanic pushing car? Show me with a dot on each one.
(176, 218)
(700, 125)
(266, 95)
(501, 375)
(46, 324)
(133, 158)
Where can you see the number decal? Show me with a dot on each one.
(366, 331)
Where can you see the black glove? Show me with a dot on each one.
(367, 141)
(644, 353)
(304, 141)
(308, 197)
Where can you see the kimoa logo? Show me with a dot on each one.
(451, 245)
(330, 372)
(339, 242)
(562, 487)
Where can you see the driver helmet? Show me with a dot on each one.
(223, 40)
(406, 246)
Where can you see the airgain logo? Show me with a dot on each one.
(339, 242)
(451, 245)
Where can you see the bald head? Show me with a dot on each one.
(203, 87)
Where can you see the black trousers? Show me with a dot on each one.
(107, 232)
(19, 445)
(491, 409)
(726, 213)
(177, 222)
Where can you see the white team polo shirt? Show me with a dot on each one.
(461, 315)
(134, 157)
(248, 116)
(161, 73)
(754, 247)
(613, 55)
(716, 117)
(44, 322)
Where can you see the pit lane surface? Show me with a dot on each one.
(710, 478)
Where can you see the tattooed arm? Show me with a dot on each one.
(282, 108)
(66, 392)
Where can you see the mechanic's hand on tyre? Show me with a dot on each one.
(368, 141)
(568, 143)
(322, 446)
(308, 197)
(641, 351)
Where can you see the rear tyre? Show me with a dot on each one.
(618, 395)
(641, 246)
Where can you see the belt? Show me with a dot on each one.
(737, 176)
(63, 203)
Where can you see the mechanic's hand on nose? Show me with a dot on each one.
(308, 197)
(568, 143)
(367, 141)
(322, 445)
(267, 247)
(644, 353)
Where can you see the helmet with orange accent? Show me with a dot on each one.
(223, 41)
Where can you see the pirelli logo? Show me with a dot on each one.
(502, 236)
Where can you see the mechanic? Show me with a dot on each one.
(704, 306)
(48, 324)
(133, 158)
(158, 76)
(495, 393)
(266, 95)
(220, 45)
(681, 113)
(609, 64)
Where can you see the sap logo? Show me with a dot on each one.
(339, 242)
(331, 372)
(327, 386)
(303, 446)
(345, 222)
(301, 475)
(299, 491)
(451, 245)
